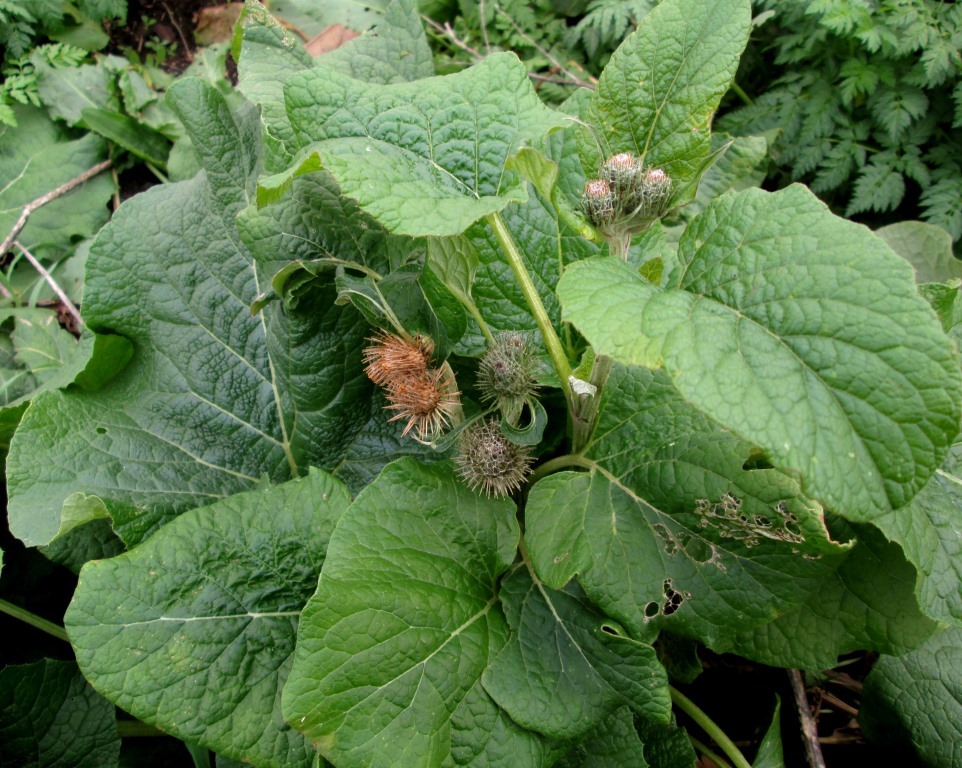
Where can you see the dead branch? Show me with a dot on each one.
(809, 731)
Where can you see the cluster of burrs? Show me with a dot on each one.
(487, 460)
(416, 389)
(627, 198)
(426, 395)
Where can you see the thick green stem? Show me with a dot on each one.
(587, 416)
(559, 462)
(476, 314)
(551, 340)
(33, 620)
(586, 413)
(740, 93)
(618, 246)
(726, 745)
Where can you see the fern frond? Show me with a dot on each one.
(843, 17)
(45, 13)
(7, 116)
(61, 54)
(98, 10)
(914, 167)
(957, 101)
(895, 109)
(15, 38)
(12, 11)
(941, 61)
(878, 187)
(606, 23)
(877, 37)
(20, 76)
(858, 78)
(942, 204)
(833, 172)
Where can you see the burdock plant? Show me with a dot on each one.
(506, 374)
(489, 462)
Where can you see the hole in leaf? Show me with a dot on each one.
(673, 599)
(651, 610)
(668, 541)
(101, 430)
(756, 460)
(726, 519)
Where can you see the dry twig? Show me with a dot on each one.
(64, 299)
(809, 731)
(41, 201)
(484, 26)
(448, 31)
(188, 53)
(575, 80)
(839, 704)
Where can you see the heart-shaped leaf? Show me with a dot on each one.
(799, 331)
(424, 158)
(193, 631)
(391, 648)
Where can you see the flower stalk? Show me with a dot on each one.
(530, 293)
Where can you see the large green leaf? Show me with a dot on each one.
(49, 715)
(657, 95)
(927, 247)
(314, 226)
(127, 133)
(67, 91)
(391, 648)
(424, 158)
(799, 331)
(613, 744)
(377, 444)
(50, 353)
(395, 51)
(668, 529)
(565, 667)
(213, 399)
(193, 631)
(927, 529)
(869, 602)
(36, 158)
(267, 54)
(915, 702)
(40, 356)
(312, 18)
(667, 746)
(770, 753)
(740, 165)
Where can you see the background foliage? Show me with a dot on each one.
(862, 100)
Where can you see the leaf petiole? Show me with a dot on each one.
(559, 462)
(708, 725)
(703, 749)
(551, 340)
(33, 620)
